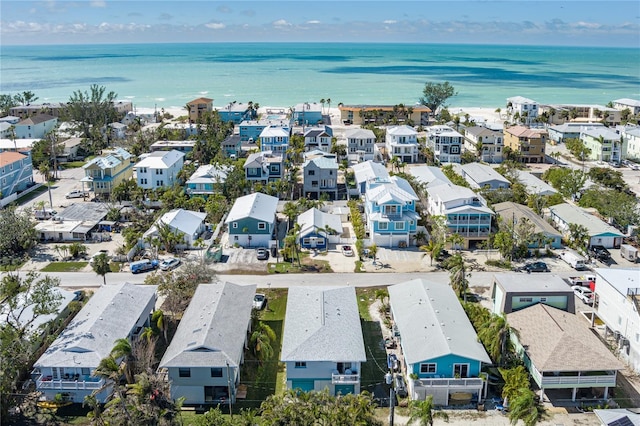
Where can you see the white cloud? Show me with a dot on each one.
(215, 25)
(281, 23)
(98, 3)
(313, 22)
(390, 21)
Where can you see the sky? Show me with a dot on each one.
(547, 22)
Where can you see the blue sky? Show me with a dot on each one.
(586, 23)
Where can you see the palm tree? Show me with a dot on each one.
(458, 276)
(160, 320)
(147, 333)
(423, 412)
(495, 335)
(122, 350)
(328, 231)
(525, 407)
(433, 248)
(515, 379)
(373, 251)
(456, 241)
(261, 340)
(101, 266)
(322, 101)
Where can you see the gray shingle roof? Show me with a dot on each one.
(508, 210)
(322, 324)
(534, 185)
(432, 322)
(482, 174)
(569, 213)
(257, 205)
(214, 327)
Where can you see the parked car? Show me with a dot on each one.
(401, 388)
(143, 266)
(262, 253)
(170, 264)
(584, 293)
(392, 362)
(536, 267)
(259, 301)
(347, 251)
(75, 194)
(600, 253)
(98, 253)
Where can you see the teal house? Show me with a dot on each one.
(438, 343)
(252, 220)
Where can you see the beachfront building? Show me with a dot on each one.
(263, 167)
(446, 143)
(250, 129)
(482, 176)
(633, 105)
(380, 114)
(207, 180)
(35, 126)
(390, 207)
(364, 172)
(202, 363)
(252, 220)
(561, 132)
(275, 140)
(25, 111)
(318, 138)
(102, 174)
(198, 108)
(66, 369)
(521, 110)
(580, 113)
(491, 141)
(16, 174)
(466, 213)
(631, 137)
(402, 142)
(528, 143)
(159, 169)
(604, 144)
(361, 145)
(438, 343)
(307, 114)
(320, 176)
(236, 112)
(322, 343)
(598, 231)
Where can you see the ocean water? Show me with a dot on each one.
(284, 74)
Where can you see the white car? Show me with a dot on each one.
(583, 293)
(259, 301)
(75, 194)
(169, 264)
(347, 251)
(98, 253)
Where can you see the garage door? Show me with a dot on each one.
(303, 385)
(344, 389)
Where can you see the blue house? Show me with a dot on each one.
(438, 343)
(367, 171)
(252, 220)
(16, 174)
(250, 129)
(274, 139)
(307, 114)
(264, 167)
(390, 206)
(236, 112)
(317, 229)
(207, 180)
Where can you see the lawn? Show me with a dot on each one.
(307, 264)
(64, 266)
(31, 195)
(72, 164)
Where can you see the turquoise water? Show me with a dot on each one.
(284, 74)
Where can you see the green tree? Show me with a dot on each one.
(17, 232)
(436, 94)
(91, 110)
(261, 341)
(159, 319)
(433, 248)
(458, 276)
(568, 182)
(101, 266)
(77, 249)
(422, 412)
(515, 379)
(495, 335)
(578, 237)
(525, 407)
(6, 103)
(610, 203)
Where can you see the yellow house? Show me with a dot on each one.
(104, 173)
(366, 114)
(528, 143)
(198, 107)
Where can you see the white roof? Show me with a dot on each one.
(605, 132)
(621, 279)
(451, 192)
(315, 219)
(25, 315)
(271, 131)
(20, 144)
(618, 416)
(403, 130)
(185, 221)
(110, 314)
(368, 170)
(569, 213)
(258, 206)
(442, 130)
(359, 134)
(432, 323)
(482, 174)
(213, 329)
(397, 189)
(533, 184)
(160, 159)
(429, 175)
(322, 324)
(627, 101)
(520, 100)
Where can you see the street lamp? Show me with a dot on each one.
(388, 378)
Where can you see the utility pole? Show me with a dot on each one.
(229, 389)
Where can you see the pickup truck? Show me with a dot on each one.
(584, 281)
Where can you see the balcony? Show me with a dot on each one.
(605, 379)
(468, 383)
(84, 383)
(345, 379)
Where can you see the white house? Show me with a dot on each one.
(446, 143)
(625, 103)
(317, 229)
(189, 223)
(318, 138)
(159, 169)
(482, 176)
(205, 355)
(492, 143)
(631, 136)
(67, 367)
(429, 175)
(599, 232)
(35, 127)
(402, 142)
(618, 305)
(533, 184)
(322, 344)
(361, 145)
(522, 110)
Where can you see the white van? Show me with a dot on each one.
(576, 261)
(44, 214)
(629, 252)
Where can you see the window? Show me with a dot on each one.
(300, 364)
(383, 226)
(525, 299)
(543, 299)
(460, 370)
(262, 226)
(85, 371)
(216, 372)
(399, 226)
(455, 149)
(235, 225)
(429, 368)
(306, 241)
(184, 372)
(311, 173)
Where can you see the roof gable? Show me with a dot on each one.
(257, 206)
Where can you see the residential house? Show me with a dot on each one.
(25, 111)
(618, 306)
(632, 105)
(77, 222)
(322, 343)
(318, 229)
(465, 212)
(232, 147)
(512, 292)
(16, 173)
(307, 114)
(604, 144)
(490, 139)
(116, 130)
(189, 224)
(207, 180)
(598, 231)
(361, 145)
(318, 138)
(516, 213)
(263, 167)
(368, 114)
(438, 342)
(203, 361)
(198, 108)
(70, 148)
(252, 220)
(236, 112)
(390, 207)
(185, 146)
(617, 416)
(528, 143)
(446, 143)
(533, 184)
(35, 127)
(402, 142)
(482, 176)
(582, 113)
(104, 173)
(159, 169)
(561, 352)
(367, 171)
(275, 139)
(320, 176)
(179, 130)
(17, 145)
(429, 175)
(522, 110)
(6, 130)
(250, 129)
(67, 368)
(122, 107)
(561, 132)
(631, 137)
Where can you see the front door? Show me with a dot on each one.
(460, 370)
